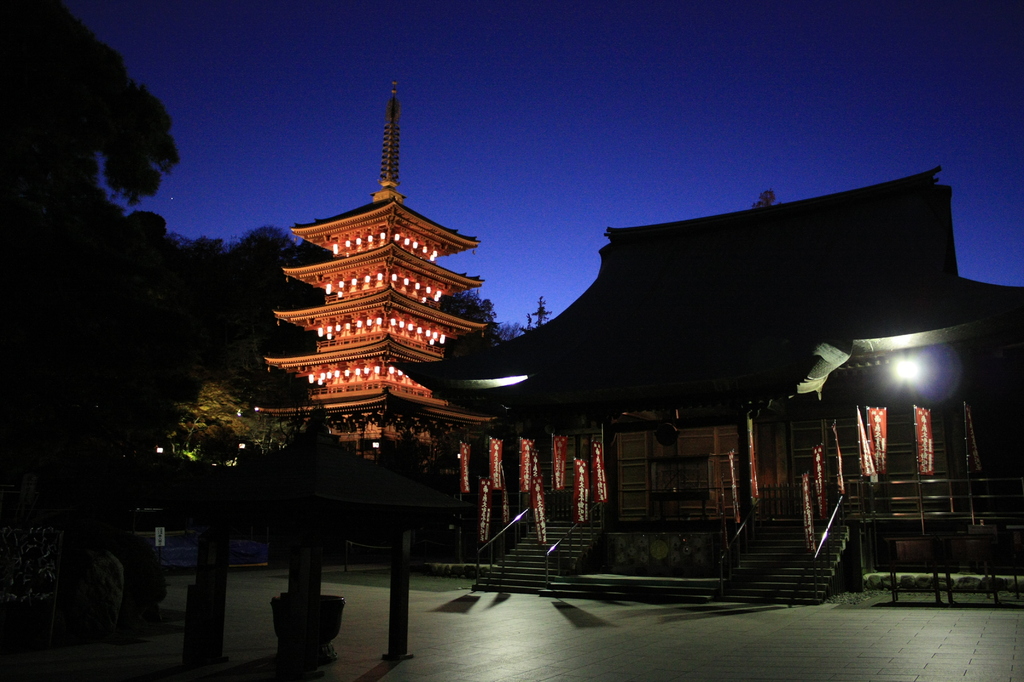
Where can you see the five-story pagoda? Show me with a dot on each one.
(382, 305)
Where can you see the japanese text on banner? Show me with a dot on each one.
(581, 493)
(878, 426)
(819, 479)
(597, 465)
(925, 444)
(559, 447)
(483, 528)
(494, 447)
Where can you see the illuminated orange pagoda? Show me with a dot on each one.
(382, 306)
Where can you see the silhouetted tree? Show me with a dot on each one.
(98, 346)
(767, 198)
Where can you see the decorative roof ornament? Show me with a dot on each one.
(389, 157)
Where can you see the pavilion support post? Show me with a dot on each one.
(398, 623)
(298, 641)
(205, 601)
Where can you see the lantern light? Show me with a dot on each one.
(359, 242)
(442, 338)
(406, 242)
(394, 277)
(379, 320)
(405, 281)
(354, 281)
(383, 236)
(369, 239)
(348, 244)
(311, 378)
(397, 237)
(320, 331)
(415, 245)
(335, 248)
(367, 279)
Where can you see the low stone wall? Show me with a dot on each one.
(962, 582)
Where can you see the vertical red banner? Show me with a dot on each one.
(878, 426)
(506, 514)
(597, 467)
(483, 528)
(494, 447)
(735, 486)
(839, 462)
(537, 498)
(973, 459)
(525, 448)
(464, 467)
(805, 481)
(754, 492)
(580, 493)
(925, 442)
(819, 479)
(867, 457)
(559, 446)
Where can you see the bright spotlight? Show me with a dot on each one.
(907, 369)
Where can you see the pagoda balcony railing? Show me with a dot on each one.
(343, 340)
(369, 388)
(420, 295)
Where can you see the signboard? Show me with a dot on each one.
(160, 536)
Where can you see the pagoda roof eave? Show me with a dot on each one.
(388, 345)
(408, 260)
(322, 225)
(400, 301)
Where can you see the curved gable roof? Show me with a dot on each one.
(740, 301)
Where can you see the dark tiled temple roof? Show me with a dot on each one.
(738, 304)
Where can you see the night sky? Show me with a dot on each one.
(533, 126)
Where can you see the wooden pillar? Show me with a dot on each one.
(205, 601)
(298, 641)
(398, 623)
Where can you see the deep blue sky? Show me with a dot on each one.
(535, 125)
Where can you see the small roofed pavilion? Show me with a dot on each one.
(311, 488)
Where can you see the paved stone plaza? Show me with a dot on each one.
(459, 636)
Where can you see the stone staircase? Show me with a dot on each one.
(777, 568)
(522, 570)
(634, 588)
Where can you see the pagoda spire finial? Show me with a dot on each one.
(389, 158)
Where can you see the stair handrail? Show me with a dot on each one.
(824, 542)
(725, 559)
(490, 543)
(557, 547)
